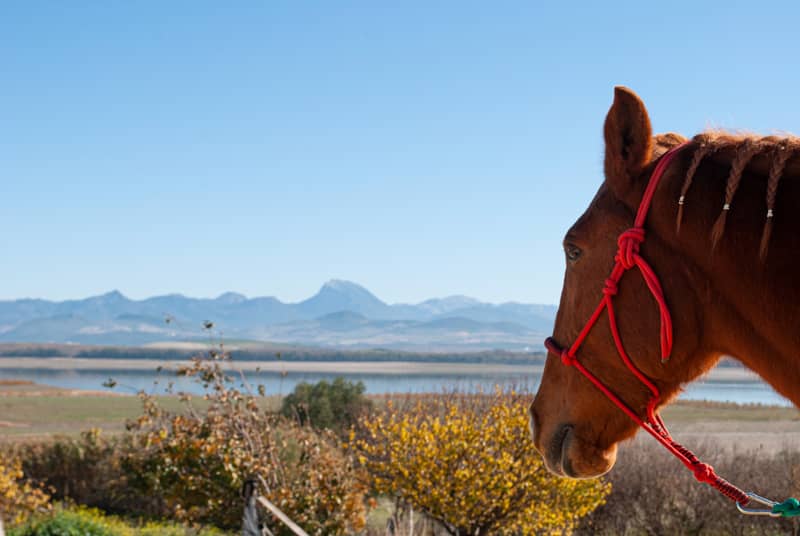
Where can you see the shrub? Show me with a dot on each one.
(654, 494)
(85, 469)
(335, 406)
(18, 498)
(82, 521)
(467, 462)
(196, 462)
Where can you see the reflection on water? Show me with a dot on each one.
(132, 381)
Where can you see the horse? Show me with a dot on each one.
(722, 243)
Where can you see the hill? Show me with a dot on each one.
(341, 314)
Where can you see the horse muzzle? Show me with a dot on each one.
(565, 454)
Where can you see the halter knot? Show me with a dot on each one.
(610, 288)
(567, 358)
(704, 473)
(629, 242)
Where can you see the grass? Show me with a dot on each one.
(44, 415)
(93, 522)
(379, 516)
(691, 411)
(30, 410)
(33, 410)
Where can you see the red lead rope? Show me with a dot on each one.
(626, 258)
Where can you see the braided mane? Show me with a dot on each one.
(740, 152)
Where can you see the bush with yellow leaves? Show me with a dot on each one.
(18, 498)
(467, 462)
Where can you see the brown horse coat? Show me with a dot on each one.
(722, 237)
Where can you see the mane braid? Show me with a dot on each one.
(704, 149)
(745, 153)
(782, 153)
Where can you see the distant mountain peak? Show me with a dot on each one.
(348, 289)
(456, 299)
(448, 304)
(112, 296)
(231, 297)
(342, 285)
(339, 295)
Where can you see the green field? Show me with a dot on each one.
(692, 411)
(30, 410)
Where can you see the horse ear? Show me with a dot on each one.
(629, 138)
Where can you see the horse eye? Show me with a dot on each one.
(573, 252)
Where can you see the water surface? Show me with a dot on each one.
(131, 381)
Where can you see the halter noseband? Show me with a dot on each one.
(628, 257)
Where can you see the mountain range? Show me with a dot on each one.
(341, 314)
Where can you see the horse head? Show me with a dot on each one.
(574, 425)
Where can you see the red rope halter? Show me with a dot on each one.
(628, 257)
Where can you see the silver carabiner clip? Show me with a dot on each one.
(758, 511)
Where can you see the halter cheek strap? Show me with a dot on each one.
(627, 258)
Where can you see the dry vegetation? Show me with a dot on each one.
(653, 494)
(438, 462)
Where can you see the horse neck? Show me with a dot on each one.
(750, 308)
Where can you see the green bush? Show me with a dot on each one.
(65, 523)
(82, 521)
(335, 406)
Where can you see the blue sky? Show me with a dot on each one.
(421, 148)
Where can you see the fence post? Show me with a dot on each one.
(294, 527)
(250, 518)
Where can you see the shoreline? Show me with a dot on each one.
(720, 374)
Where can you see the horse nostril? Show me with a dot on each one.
(533, 423)
(556, 448)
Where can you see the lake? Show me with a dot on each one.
(131, 381)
